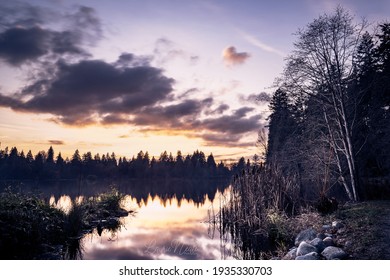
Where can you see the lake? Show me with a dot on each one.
(171, 220)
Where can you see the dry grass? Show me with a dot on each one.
(368, 229)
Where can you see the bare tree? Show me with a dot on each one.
(321, 68)
(262, 144)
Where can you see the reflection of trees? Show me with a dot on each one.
(196, 191)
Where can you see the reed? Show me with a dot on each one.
(257, 211)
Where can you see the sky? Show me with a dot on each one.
(151, 75)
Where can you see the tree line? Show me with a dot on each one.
(330, 114)
(15, 165)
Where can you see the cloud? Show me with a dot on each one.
(84, 92)
(25, 40)
(232, 57)
(56, 142)
(20, 45)
(261, 97)
(15, 13)
(217, 111)
(224, 139)
(232, 124)
(78, 90)
(179, 117)
(166, 50)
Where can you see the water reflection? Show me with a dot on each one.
(160, 230)
(170, 223)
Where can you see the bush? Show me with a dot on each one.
(31, 228)
(28, 224)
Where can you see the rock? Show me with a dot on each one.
(328, 241)
(318, 243)
(305, 248)
(326, 227)
(291, 255)
(309, 256)
(305, 235)
(337, 225)
(331, 253)
(321, 236)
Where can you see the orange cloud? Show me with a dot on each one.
(232, 57)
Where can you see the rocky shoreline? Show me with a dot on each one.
(327, 244)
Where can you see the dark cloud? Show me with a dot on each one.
(25, 37)
(123, 136)
(232, 57)
(261, 97)
(232, 124)
(15, 13)
(129, 59)
(56, 142)
(224, 139)
(188, 92)
(18, 45)
(217, 111)
(177, 116)
(225, 130)
(242, 112)
(89, 90)
(86, 22)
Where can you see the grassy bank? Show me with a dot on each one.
(33, 229)
(367, 229)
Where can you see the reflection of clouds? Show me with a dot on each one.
(171, 233)
(155, 243)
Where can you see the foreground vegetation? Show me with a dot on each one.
(33, 229)
(264, 212)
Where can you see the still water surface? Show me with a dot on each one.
(171, 222)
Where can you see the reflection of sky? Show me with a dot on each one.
(159, 232)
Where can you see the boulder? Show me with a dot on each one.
(337, 225)
(305, 235)
(318, 243)
(291, 255)
(309, 256)
(326, 227)
(328, 241)
(331, 253)
(321, 235)
(305, 248)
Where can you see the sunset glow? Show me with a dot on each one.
(146, 75)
